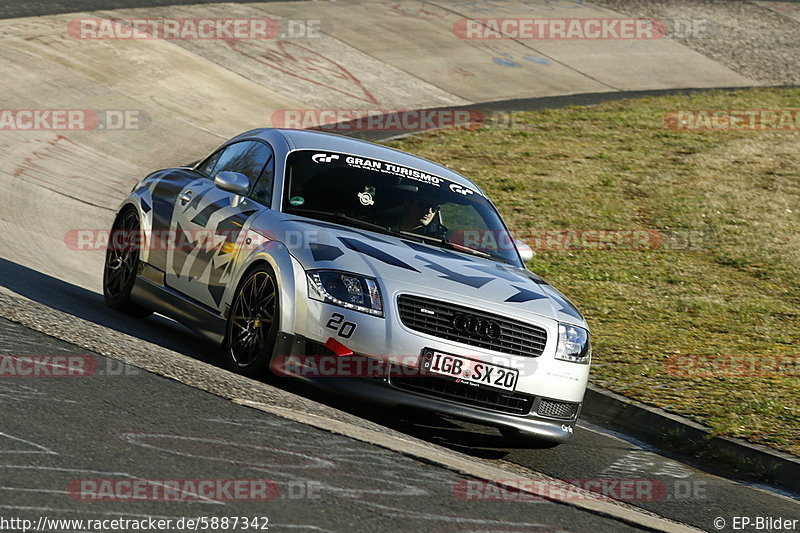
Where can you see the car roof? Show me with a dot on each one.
(318, 140)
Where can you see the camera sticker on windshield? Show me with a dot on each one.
(367, 196)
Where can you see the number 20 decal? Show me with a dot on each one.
(344, 329)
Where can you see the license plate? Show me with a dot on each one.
(470, 371)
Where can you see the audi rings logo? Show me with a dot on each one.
(476, 327)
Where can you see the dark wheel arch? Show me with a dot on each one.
(122, 263)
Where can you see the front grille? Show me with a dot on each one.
(517, 338)
(494, 400)
(555, 409)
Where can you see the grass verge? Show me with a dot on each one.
(732, 292)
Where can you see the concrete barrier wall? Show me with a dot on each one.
(190, 95)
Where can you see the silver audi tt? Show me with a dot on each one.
(360, 268)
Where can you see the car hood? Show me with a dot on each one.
(407, 265)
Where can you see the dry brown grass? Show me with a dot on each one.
(615, 166)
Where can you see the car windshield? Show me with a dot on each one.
(382, 196)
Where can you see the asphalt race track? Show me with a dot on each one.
(169, 411)
(132, 426)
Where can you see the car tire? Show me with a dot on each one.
(122, 263)
(253, 320)
(513, 437)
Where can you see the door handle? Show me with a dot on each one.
(185, 197)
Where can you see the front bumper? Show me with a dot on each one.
(388, 392)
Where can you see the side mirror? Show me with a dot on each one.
(232, 182)
(525, 251)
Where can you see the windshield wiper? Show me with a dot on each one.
(449, 244)
(344, 218)
(469, 250)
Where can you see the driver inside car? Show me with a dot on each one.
(422, 217)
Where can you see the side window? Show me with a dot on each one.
(262, 190)
(249, 162)
(207, 166)
(251, 158)
(233, 158)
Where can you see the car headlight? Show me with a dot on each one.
(573, 344)
(351, 291)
